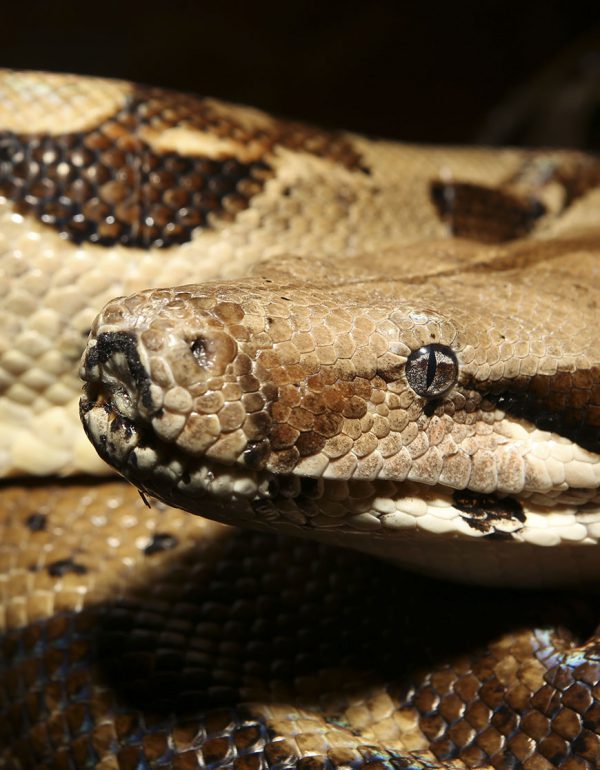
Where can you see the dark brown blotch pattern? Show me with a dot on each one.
(485, 214)
(112, 188)
(109, 186)
(567, 403)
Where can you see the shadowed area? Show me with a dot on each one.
(248, 651)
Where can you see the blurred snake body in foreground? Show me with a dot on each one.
(393, 348)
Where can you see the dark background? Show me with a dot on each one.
(414, 71)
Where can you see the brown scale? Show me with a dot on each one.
(228, 649)
(109, 186)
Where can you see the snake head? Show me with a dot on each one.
(357, 413)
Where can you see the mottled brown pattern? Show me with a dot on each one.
(136, 637)
(224, 651)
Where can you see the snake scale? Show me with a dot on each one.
(392, 348)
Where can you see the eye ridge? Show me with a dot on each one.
(432, 370)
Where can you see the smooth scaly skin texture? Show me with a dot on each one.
(86, 164)
(281, 401)
(137, 637)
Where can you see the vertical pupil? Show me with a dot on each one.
(431, 367)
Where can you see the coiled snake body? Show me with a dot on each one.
(394, 348)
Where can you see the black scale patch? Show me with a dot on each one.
(496, 517)
(36, 522)
(565, 403)
(107, 345)
(65, 566)
(108, 186)
(161, 541)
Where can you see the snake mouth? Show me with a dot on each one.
(454, 534)
(262, 499)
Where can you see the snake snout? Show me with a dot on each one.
(115, 395)
(112, 363)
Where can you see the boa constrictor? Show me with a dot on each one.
(394, 348)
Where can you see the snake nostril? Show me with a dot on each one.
(113, 362)
(214, 350)
(199, 348)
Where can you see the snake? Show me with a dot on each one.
(379, 359)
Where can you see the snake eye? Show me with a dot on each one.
(432, 370)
